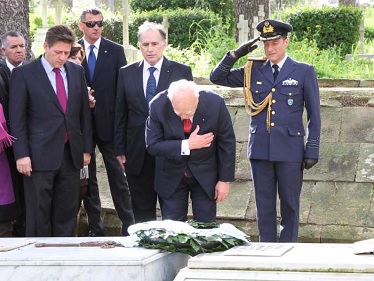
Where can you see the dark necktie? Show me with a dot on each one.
(276, 71)
(61, 93)
(187, 125)
(91, 61)
(150, 91)
(60, 89)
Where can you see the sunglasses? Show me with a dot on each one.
(91, 24)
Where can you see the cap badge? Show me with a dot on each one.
(267, 27)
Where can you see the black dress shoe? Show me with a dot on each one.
(95, 234)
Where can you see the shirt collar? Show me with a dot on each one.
(281, 63)
(11, 66)
(48, 67)
(157, 65)
(87, 45)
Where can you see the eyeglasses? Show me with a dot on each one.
(91, 24)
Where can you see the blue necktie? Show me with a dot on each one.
(91, 61)
(150, 92)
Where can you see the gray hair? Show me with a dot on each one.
(12, 33)
(179, 87)
(151, 26)
(94, 11)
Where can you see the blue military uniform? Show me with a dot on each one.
(278, 142)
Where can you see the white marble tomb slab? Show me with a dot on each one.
(86, 263)
(304, 261)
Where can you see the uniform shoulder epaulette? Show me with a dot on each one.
(263, 58)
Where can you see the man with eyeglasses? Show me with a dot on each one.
(103, 60)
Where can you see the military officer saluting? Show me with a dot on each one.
(276, 91)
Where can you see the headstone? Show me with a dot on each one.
(254, 24)
(243, 29)
(281, 261)
(82, 258)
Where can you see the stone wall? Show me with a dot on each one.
(337, 196)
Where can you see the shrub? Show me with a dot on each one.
(329, 27)
(223, 8)
(182, 28)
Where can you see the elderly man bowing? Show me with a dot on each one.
(192, 137)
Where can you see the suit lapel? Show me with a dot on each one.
(84, 64)
(138, 84)
(287, 68)
(199, 117)
(43, 80)
(174, 121)
(165, 73)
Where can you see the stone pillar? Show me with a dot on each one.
(132, 54)
(243, 29)
(362, 32)
(165, 24)
(58, 8)
(44, 12)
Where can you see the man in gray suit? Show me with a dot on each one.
(137, 84)
(50, 118)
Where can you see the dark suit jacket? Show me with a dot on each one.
(132, 109)
(164, 135)
(296, 87)
(111, 58)
(37, 119)
(9, 211)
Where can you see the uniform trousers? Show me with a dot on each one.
(269, 179)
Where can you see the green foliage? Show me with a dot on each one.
(182, 24)
(329, 27)
(329, 63)
(369, 33)
(223, 8)
(188, 243)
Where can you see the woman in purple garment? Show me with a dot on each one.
(10, 209)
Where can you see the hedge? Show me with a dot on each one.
(329, 27)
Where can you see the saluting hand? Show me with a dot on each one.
(245, 48)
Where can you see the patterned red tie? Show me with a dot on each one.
(187, 125)
(61, 94)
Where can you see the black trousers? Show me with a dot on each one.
(51, 199)
(119, 189)
(143, 195)
(204, 209)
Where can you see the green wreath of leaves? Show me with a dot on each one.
(191, 244)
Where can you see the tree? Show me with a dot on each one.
(14, 15)
(250, 9)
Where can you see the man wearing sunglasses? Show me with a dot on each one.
(103, 60)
